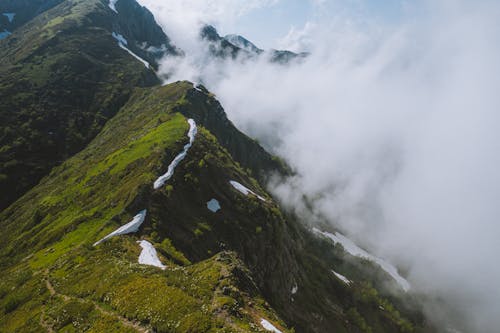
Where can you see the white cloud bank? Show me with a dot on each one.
(394, 131)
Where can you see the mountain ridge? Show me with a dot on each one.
(64, 221)
(238, 47)
(247, 266)
(65, 65)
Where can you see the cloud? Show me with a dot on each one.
(181, 19)
(393, 128)
(298, 40)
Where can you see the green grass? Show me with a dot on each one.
(65, 76)
(224, 271)
(87, 197)
(165, 135)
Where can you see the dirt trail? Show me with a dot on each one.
(44, 324)
(128, 323)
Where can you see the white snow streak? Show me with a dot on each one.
(244, 189)
(119, 38)
(149, 256)
(122, 42)
(295, 289)
(341, 277)
(355, 250)
(128, 228)
(112, 5)
(269, 327)
(197, 86)
(170, 171)
(146, 64)
(10, 16)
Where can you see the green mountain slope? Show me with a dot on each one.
(226, 271)
(23, 11)
(90, 195)
(85, 131)
(63, 75)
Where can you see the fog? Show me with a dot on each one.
(393, 127)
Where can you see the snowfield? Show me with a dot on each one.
(355, 250)
(149, 256)
(193, 130)
(122, 43)
(128, 228)
(269, 327)
(213, 205)
(197, 87)
(341, 277)
(244, 190)
(112, 5)
(10, 16)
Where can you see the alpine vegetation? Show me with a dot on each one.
(341, 151)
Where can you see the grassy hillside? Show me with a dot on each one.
(62, 77)
(51, 265)
(226, 271)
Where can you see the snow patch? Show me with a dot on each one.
(149, 256)
(269, 327)
(170, 171)
(5, 34)
(146, 64)
(213, 205)
(119, 38)
(341, 277)
(244, 190)
(355, 250)
(112, 5)
(10, 16)
(295, 288)
(128, 228)
(196, 86)
(122, 42)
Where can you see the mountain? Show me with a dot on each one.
(220, 47)
(63, 75)
(250, 260)
(15, 13)
(243, 43)
(234, 46)
(135, 206)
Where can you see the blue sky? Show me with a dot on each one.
(265, 25)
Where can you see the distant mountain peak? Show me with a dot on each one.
(243, 43)
(234, 46)
(209, 32)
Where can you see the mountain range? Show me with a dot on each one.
(128, 205)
